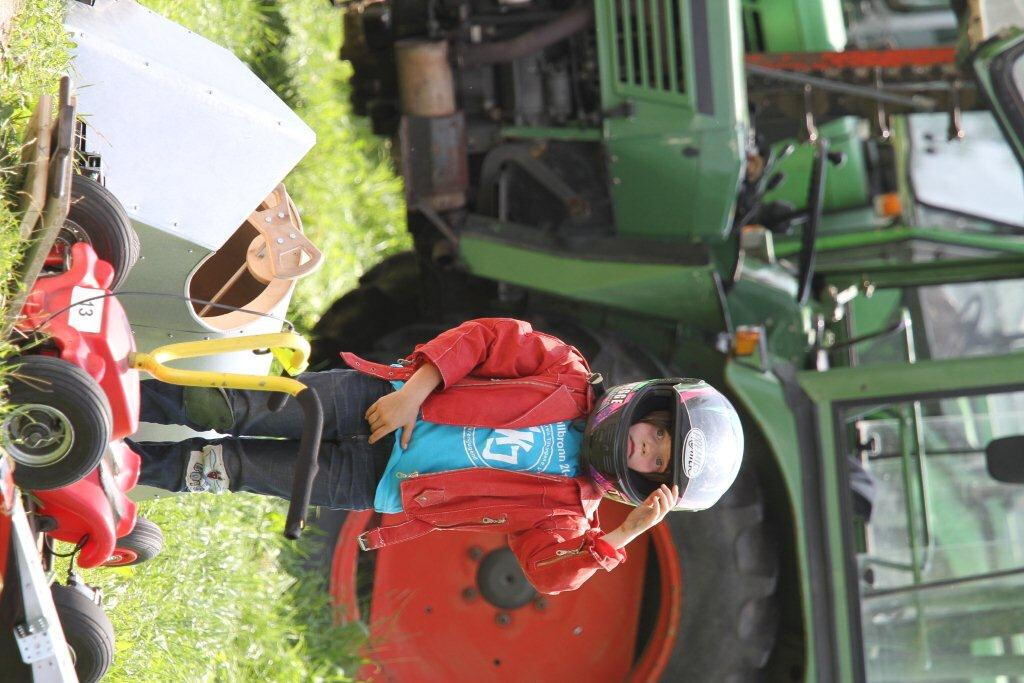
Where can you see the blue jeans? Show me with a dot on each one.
(349, 466)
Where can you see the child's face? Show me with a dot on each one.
(649, 447)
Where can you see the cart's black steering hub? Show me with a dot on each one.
(501, 580)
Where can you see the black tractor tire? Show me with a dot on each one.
(100, 216)
(319, 544)
(730, 569)
(71, 402)
(387, 297)
(88, 630)
(398, 292)
(143, 543)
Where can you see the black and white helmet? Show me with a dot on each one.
(707, 441)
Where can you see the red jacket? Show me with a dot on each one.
(500, 373)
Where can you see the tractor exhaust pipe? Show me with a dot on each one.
(568, 24)
(432, 135)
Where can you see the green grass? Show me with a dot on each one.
(345, 189)
(227, 600)
(31, 63)
(346, 192)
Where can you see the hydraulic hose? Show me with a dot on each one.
(569, 23)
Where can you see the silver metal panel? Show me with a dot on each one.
(191, 139)
(165, 268)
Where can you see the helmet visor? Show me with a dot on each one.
(709, 450)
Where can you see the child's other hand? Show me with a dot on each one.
(397, 410)
(652, 511)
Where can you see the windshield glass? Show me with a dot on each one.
(977, 177)
(947, 321)
(940, 543)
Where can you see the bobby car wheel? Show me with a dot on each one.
(59, 423)
(88, 631)
(143, 543)
(98, 218)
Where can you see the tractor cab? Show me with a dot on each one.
(901, 453)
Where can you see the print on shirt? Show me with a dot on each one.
(546, 449)
(530, 449)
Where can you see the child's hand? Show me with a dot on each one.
(644, 516)
(652, 511)
(393, 411)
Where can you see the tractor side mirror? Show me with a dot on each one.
(1004, 459)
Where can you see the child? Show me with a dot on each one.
(477, 429)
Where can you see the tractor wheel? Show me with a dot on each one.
(98, 218)
(58, 425)
(88, 631)
(145, 542)
(730, 572)
(396, 293)
(387, 297)
(318, 554)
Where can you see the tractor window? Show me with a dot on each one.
(939, 540)
(957, 182)
(917, 5)
(947, 321)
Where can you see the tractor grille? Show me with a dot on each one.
(649, 47)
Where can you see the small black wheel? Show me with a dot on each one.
(145, 542)
(58, 425)
(97, 217)
(88, 631)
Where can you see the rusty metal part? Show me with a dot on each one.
(827, 63)
(434, 161)
(426, 86)
(530, 42)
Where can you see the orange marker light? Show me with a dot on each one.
(745, 341)
(888, 205)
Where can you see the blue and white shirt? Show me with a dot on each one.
(546, 449)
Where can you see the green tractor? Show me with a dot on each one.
(719, 189)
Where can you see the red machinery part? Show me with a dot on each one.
(94, 335)
(429, 621)
(927, 57)
(95, 506)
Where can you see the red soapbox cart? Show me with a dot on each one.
(73, 396)
(71, 399)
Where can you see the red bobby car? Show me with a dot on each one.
(73, 403)
(73, 399)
